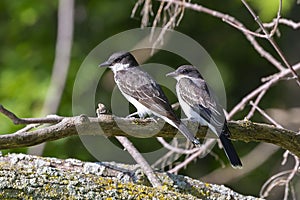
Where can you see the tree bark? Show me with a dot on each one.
(108, 125)
(25, 176)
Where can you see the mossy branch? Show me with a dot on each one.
(31, 177)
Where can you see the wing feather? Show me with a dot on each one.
(198, 97)
(141, 86)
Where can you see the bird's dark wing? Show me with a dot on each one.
(197, 95)
(141, 86)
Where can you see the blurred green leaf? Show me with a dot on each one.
(268, 9)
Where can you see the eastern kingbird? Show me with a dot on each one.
(199, 104)
(141, 90)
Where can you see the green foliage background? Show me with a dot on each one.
(28, 36)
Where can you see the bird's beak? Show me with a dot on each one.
(105, 64)
(172, 74)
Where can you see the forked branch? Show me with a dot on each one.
(108, 125)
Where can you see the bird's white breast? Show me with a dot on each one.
(118, 66)
(141, 109)
(190, 113)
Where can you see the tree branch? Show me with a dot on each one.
(250, 36)
(39, 178)
(287, 22)
(63, 48)
(112, 126)
(229, 174)
(274, 79)
(271, 40)
(135, 154)
(16, 120)
(62, 55)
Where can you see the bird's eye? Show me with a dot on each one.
(117, 60)
(184, 71)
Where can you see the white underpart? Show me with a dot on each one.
(189, 112)
(118, 66)
(141, 109)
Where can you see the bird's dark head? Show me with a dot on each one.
(120, 60)
(185, 71)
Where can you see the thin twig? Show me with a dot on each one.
(169, 25)
(262, 152)
(290, 177)
(245, 30)
(274, 181)
(271, 40)
(166, 160)
(176, 149)
(202, 150)
(28, 128)
(263, 113)
(231, 20)
(136, 5)
(285, 157)
(259, 97)
(276, 21)
(156, 19)
(281, 178)
(135, 154)
(277, 77)
(287, 22)
(16, 120)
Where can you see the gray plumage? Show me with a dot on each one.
(199, 104)
(141, 90)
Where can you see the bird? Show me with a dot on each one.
(143, 92)
(199, 104)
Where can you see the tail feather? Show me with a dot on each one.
(184, 130)
(177, 123)
(230, 151)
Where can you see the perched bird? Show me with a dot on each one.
(141, 90)
(199, 104)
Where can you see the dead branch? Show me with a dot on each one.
(287, 22)
(283, 178)
(62, 55)
(275, 78)
(250, 36)
(229, 174)
(65, 27)
(135, 154)
(108, 126)
(285, 72)
(271, 40)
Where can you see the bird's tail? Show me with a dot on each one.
(170, 117)
(229, 149)
(177, 123)
(184, 130)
